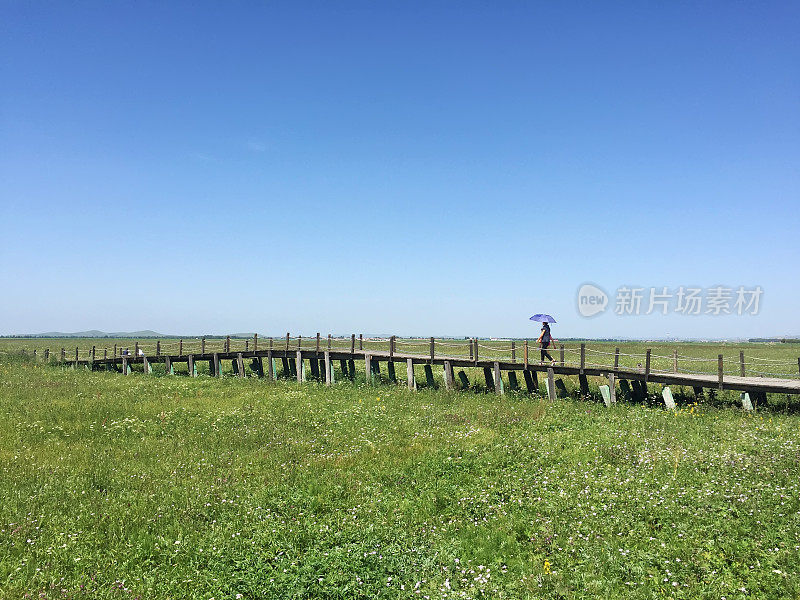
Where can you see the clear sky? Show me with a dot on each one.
(410, 168)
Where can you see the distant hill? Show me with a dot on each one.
(94, 333)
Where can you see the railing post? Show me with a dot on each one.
(526, 354)
(255, 342)
(513, 351)
(360, 341)
(391, 347)
(433, 344)
(583, 357)
(720, 370)
(352, 343)
(287, 342)
(329, 342)
(475, 343)
(227, 343)
(616, 359)
(180, 347)
(318, 343)
(299, 341)
(562, 355)
(471, 350)
(741, 363)
(158, 347)
(136, 349)
(203, 346)
(674, 361)
(647, 365)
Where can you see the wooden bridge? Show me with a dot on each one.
(631, 372)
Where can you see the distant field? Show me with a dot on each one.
(174, 487)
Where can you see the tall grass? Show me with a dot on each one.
(171, 487)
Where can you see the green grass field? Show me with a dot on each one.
(171, 487)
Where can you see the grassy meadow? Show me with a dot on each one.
(175, 487)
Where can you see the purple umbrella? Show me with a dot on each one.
(543, 318)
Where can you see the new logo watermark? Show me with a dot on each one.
(591, 300)
(684, 300)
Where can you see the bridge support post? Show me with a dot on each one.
(368, 368)
(529, 381)
(429, 377)
(449, 384)
(412, 384)
(551, 384)
(300, 367)
(215, 366)
(328, 369)
(498, 380)
(168, 365)
(125, 368)
(191, 366)
(240, 364)
(376, 371)
(257, 365)
(315, 374)
(488, 378)
(612, 391)
(391, 372)
(146, 365)
(584, 385)
(462, 378)
(669, 401)
(513, 384)
(605, 392)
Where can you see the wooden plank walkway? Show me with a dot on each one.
(371, 358)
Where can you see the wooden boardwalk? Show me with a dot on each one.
(321, 357)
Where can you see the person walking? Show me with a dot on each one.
(544, 341)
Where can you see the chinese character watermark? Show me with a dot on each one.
(685, 300)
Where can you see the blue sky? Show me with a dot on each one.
(410, 168)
